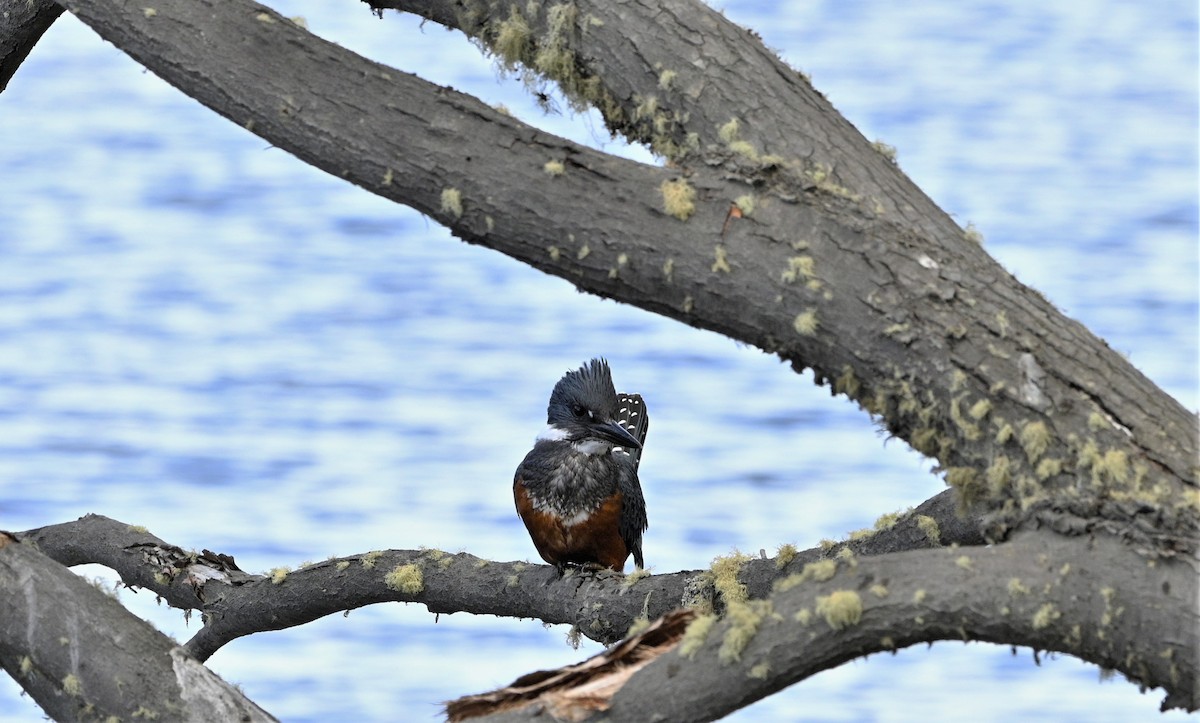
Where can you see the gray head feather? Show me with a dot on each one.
(583, 395)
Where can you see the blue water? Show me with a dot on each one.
(200, 334)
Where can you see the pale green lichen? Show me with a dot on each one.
(820, 571)
(786, 553)
(885, 150)
(724, 571)
(695, 635)
(729, 132)
(513, 41)
(721, 262)
(1045, 615)
(760, 671)
(1035, 438)
(841, 608)
(806, 323)
(929, 526)
(969, 429)
(639, 624)
(966, 481)
(999, 473)
(452, 202)
(72, 685)
(847, 383)
(1048, 468)
(972, 234)
(407, 579)
(887, 521)
(799, 267)
(744, 620)
(980, 409)
(679, 198)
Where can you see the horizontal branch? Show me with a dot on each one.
(602, 606)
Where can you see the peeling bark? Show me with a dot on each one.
(82, 656)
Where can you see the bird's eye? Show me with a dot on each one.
(578, 410)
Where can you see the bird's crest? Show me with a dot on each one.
(590, 384)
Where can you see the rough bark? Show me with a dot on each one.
(82, 656)
(776, 224)
(601, 606)
(1037, 590)
(1036, 420)
(21, 26)
(1021, 593)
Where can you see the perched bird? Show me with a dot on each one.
(577, 490)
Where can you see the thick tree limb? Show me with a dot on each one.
(22, 24)
(1092, 597)
(660, 72)
(1019, 404)
(1039, 590)
(82, 656)
(784, 231)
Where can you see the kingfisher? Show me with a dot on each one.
(577, 490)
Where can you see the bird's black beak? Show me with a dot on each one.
(616, 434)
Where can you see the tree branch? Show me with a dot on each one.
(234, 603)
(1089, 597)
(22, 24)
(673, 75)
(788, 233)
(81, 655)
(919, 325)
(1092, 597)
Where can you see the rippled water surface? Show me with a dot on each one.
(200, 334)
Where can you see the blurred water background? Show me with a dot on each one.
(203, 335)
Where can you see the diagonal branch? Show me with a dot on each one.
(82, 656)
(22, 24)
(1020, 405)
(673, 74)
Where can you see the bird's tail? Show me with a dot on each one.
(631, 414)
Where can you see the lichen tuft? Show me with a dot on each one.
(407, 579)
(679, 198)
(841, 608)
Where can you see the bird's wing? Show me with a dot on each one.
(631, 414)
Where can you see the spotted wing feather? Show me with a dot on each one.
(631, 414)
